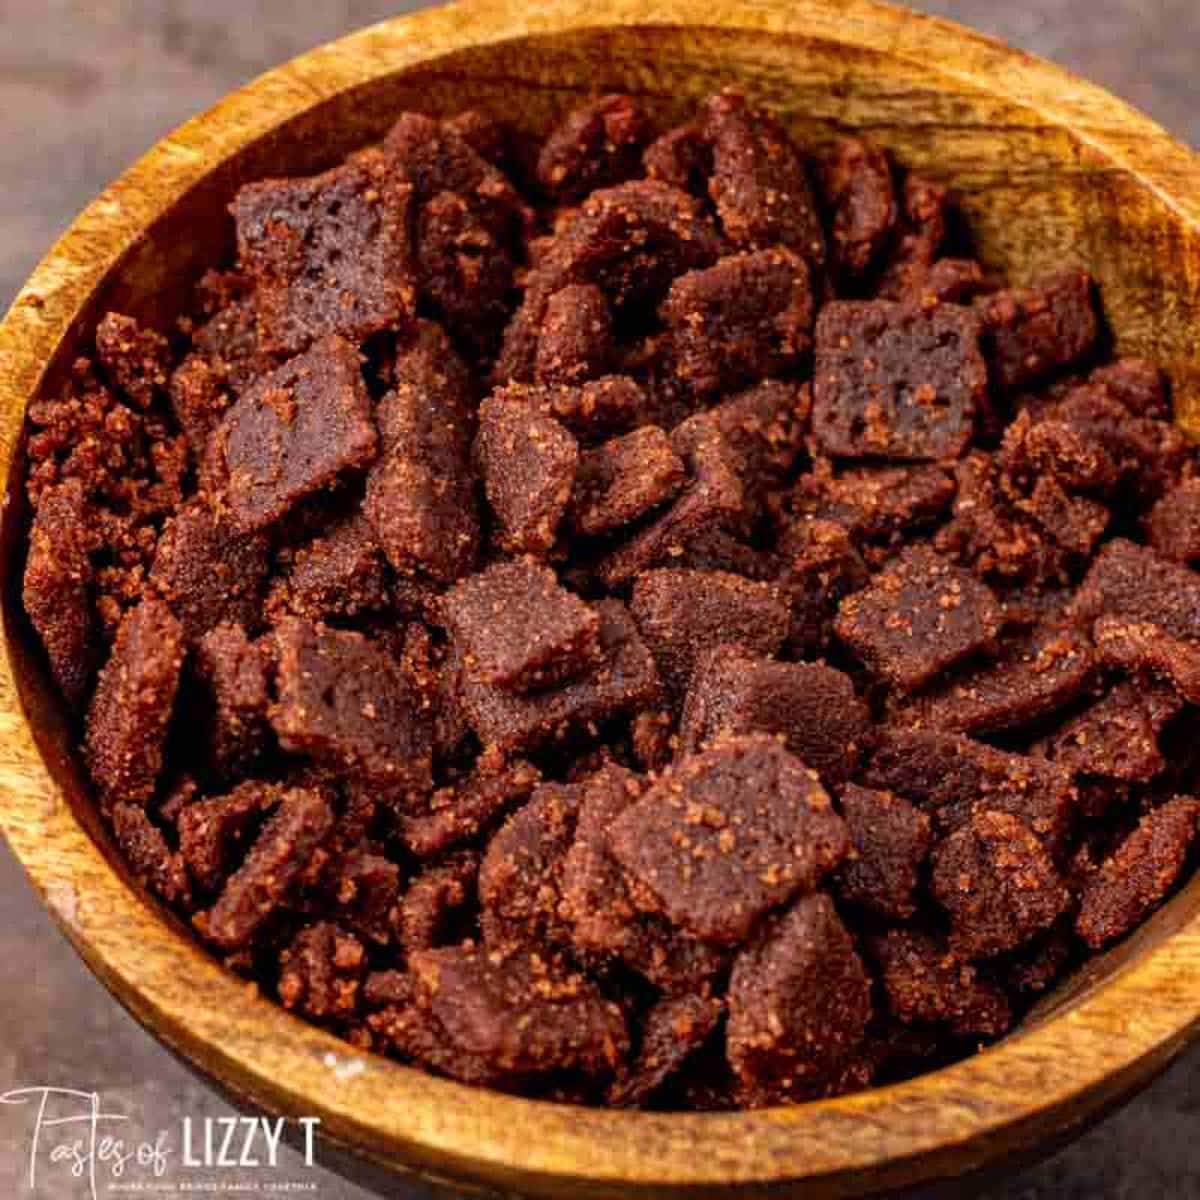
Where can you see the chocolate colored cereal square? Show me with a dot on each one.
(344, 700)
(520, 879)
(462, 811)
(339, 573)
(625, 679)
(726, 835)
(1033, 331)
(521, 1014)
(953, 778)
(295, 432)
(746, 317)
(813, 707)
(1139, 873)
(595, 145)
(624, 479)
(855, 182)
(683, 613)
(889, 843)
(131, 708)
(208, 572)
(997, 883)
(917, 617)
(234, 671)
(1033, 678)
(576, 342)
(331, 254)
(759, 183)
(420, 497)
(925, 983)
(527, 461)
(516, 627)
(56, 589)
(799, 1006)
(604, 922)
(897, 382)
(267, 879)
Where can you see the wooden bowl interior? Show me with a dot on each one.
(1034, 193)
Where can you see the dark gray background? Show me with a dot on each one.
(87, 87)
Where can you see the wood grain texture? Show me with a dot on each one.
(1046, 166)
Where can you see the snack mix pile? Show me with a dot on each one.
(639, 619)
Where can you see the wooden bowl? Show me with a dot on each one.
(1048, 168)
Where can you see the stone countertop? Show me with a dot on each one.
(87, 86)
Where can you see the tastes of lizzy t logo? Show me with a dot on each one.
(71, 1136)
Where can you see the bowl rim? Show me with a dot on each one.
(1062, 1070)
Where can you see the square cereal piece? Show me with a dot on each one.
(624, 680)
(799, 1006)
(673, 1030)
(921, 233)
(998, 884)
(528, 462)
(265, 882)
(855, 181)
(759, 183)
(136, 360)
(576, 342)
(321, 973)
(461, 812)
(727, 834)
(160, 868)
(918, 616)
(435, 900)
(1137, 876)
(520, 879)
(596, 144)
(56, 587)
(875, 503)
(131, 708)
(1174, 523)
(630, 240)
(681, 157)
(208, 572)
(213, 832)
(712, 496)
(295, 431)
(1139, 385)
(889, 842)
(330, 254)
(605, 924)
(1117, 737)
(523, 1015)
(683, 613)
(813, 707)
(234, 670)
(953, 777)
(1034, 677)
(515, 627)
(926, 984)
(821, 567)
(623, 479)
(1145, 614)
(764, 428)
(340, 573)
(1031, 332)
(746, 317)
(421, 493)
(592, 410)
(344, 700)
(897, 382)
